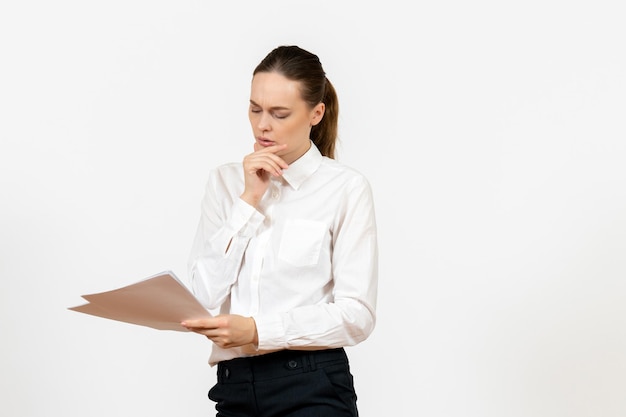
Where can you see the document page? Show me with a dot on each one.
(161, 301)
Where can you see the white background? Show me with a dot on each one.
(493, 134)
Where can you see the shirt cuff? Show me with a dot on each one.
(270, 331)
(245, 218)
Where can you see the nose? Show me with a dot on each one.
(264, 122)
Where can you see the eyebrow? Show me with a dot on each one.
(271, 108)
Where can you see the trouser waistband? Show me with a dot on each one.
(277, 364)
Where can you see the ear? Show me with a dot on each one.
(317, 113)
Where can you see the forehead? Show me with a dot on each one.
(272, 88)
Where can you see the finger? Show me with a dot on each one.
(276, 148)
(265, 163)
(273, 149)
(198, 324)
(266, 157)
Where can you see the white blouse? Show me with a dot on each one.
(304, 264)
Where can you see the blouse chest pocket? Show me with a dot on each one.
(301, 242)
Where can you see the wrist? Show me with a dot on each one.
(255, 334)
(251, 199)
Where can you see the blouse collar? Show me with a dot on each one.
(303, 167)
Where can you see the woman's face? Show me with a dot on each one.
(278, 115)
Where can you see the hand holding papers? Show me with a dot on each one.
(161, 302)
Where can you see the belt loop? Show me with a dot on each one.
(306, 365)
(312, 363)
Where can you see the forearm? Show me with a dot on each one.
(341, 323)
(218, 252)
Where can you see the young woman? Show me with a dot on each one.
(286, 251)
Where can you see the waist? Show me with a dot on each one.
(277, 364)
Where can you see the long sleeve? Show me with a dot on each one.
(226, 225)
(303, 263)
(349, 316)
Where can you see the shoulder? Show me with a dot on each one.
(225, 176)
(227, 168)
(226, 171)
(344, 172)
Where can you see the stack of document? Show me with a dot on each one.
(161, 301)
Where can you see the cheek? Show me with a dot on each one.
(300, 126)
(292, 131)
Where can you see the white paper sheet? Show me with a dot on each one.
(161, 301)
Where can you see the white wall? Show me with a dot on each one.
(492, 132)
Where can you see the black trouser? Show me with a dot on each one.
(288, 383)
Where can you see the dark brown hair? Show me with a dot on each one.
(305, 67)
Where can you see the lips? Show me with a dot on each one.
(264, 142)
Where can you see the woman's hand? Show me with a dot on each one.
(226, 330)
(257, 168)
